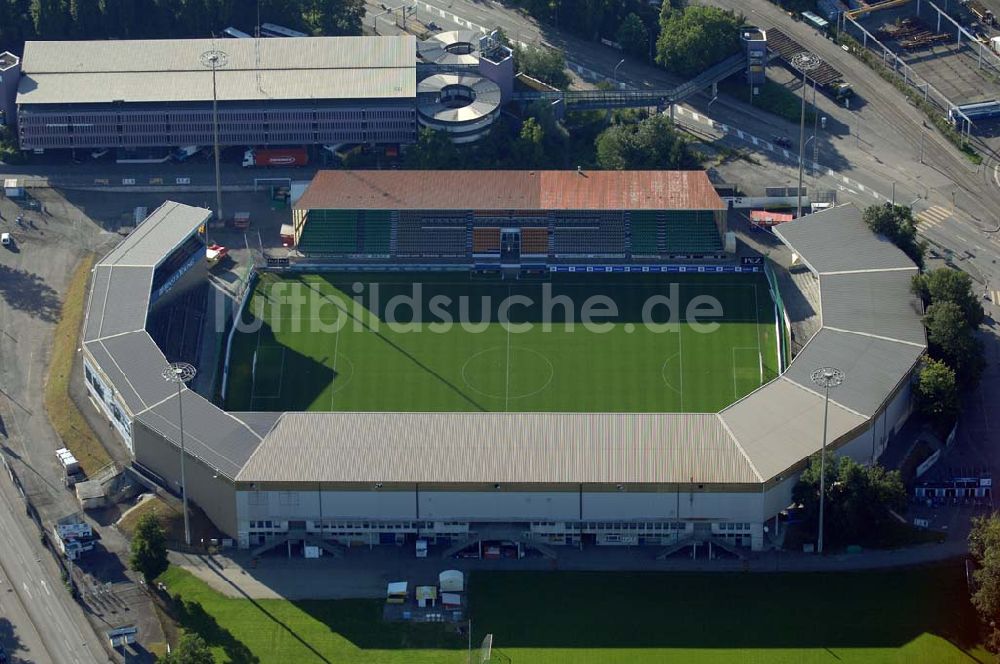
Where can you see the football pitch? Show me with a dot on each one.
(439, 342)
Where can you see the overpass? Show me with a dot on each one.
(586, 100)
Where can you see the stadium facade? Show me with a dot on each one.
(553, 478)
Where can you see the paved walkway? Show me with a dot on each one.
(364, 574)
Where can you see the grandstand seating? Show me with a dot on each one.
(485, 240)
(645, 229)
(330, 232)
(599, 234)
(535, 241)
(377, 229)
(692, 232)
(431, 236)
(177, 327)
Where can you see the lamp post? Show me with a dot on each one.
(215, 60)
(827, 378)
(615, 73)
(803, 62)
(180, 373)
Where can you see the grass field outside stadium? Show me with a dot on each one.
(911, 616)
(441, 342)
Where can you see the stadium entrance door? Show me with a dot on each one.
(510, 246)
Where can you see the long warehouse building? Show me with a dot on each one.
(153, 93)
(555, 478)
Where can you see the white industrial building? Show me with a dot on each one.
(556, 478)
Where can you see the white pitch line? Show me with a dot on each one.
(336, 347)
(506, 391)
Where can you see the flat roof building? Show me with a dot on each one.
(146, 93)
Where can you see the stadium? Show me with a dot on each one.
(349, 419)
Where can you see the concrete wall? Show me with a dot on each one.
(216, 496)
(694, 504)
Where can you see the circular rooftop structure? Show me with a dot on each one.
(464, 105)
(455, 47)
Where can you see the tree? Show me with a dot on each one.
(50, 18)
(937, 391)
(858, 498)
(633, 36)
(334, 17)
(433, 150)
(953, 340)
(192, 649)
(546, 64)
(949, 285)
(697, 37)
(896, 224)
(648, 144)
(984, 545)
(149, 548)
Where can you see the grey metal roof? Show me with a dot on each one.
(96, 301)
(116, 339)
(120, 300)
(260, 423)
(837, 240)
(264, 69)
(162, 232)
(499, 447)
(781, 424)
(438, 49)
(875, 367)
(877, 303)
(142, 362)
(219, 439)
(485, 94)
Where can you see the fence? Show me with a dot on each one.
(781, 319)
(890, 61)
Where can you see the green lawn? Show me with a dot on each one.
(315, 348)
(911, 616)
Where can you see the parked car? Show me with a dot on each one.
(782, 142)
(6, 240)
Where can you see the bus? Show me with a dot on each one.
(272, 30)
(236, 34)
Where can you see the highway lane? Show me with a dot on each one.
(18, 635)
(66, 634)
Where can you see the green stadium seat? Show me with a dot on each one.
(330, 232)
(377, 231)
(691, 232)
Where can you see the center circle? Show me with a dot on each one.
(502, 373)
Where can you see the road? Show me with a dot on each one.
(65, 634)
(32, 279)
(17, 633)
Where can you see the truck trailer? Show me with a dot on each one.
(262, 157)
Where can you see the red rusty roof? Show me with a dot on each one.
(511, 190)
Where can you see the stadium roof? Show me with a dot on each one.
(105, 71)
(871, 330)
(511, 190)
(498, 447)
(115, 336)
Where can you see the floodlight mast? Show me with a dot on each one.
(827, 378)
(803, 62)
(180, 373)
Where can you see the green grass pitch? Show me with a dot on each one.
(909, 616)
(323, 342)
